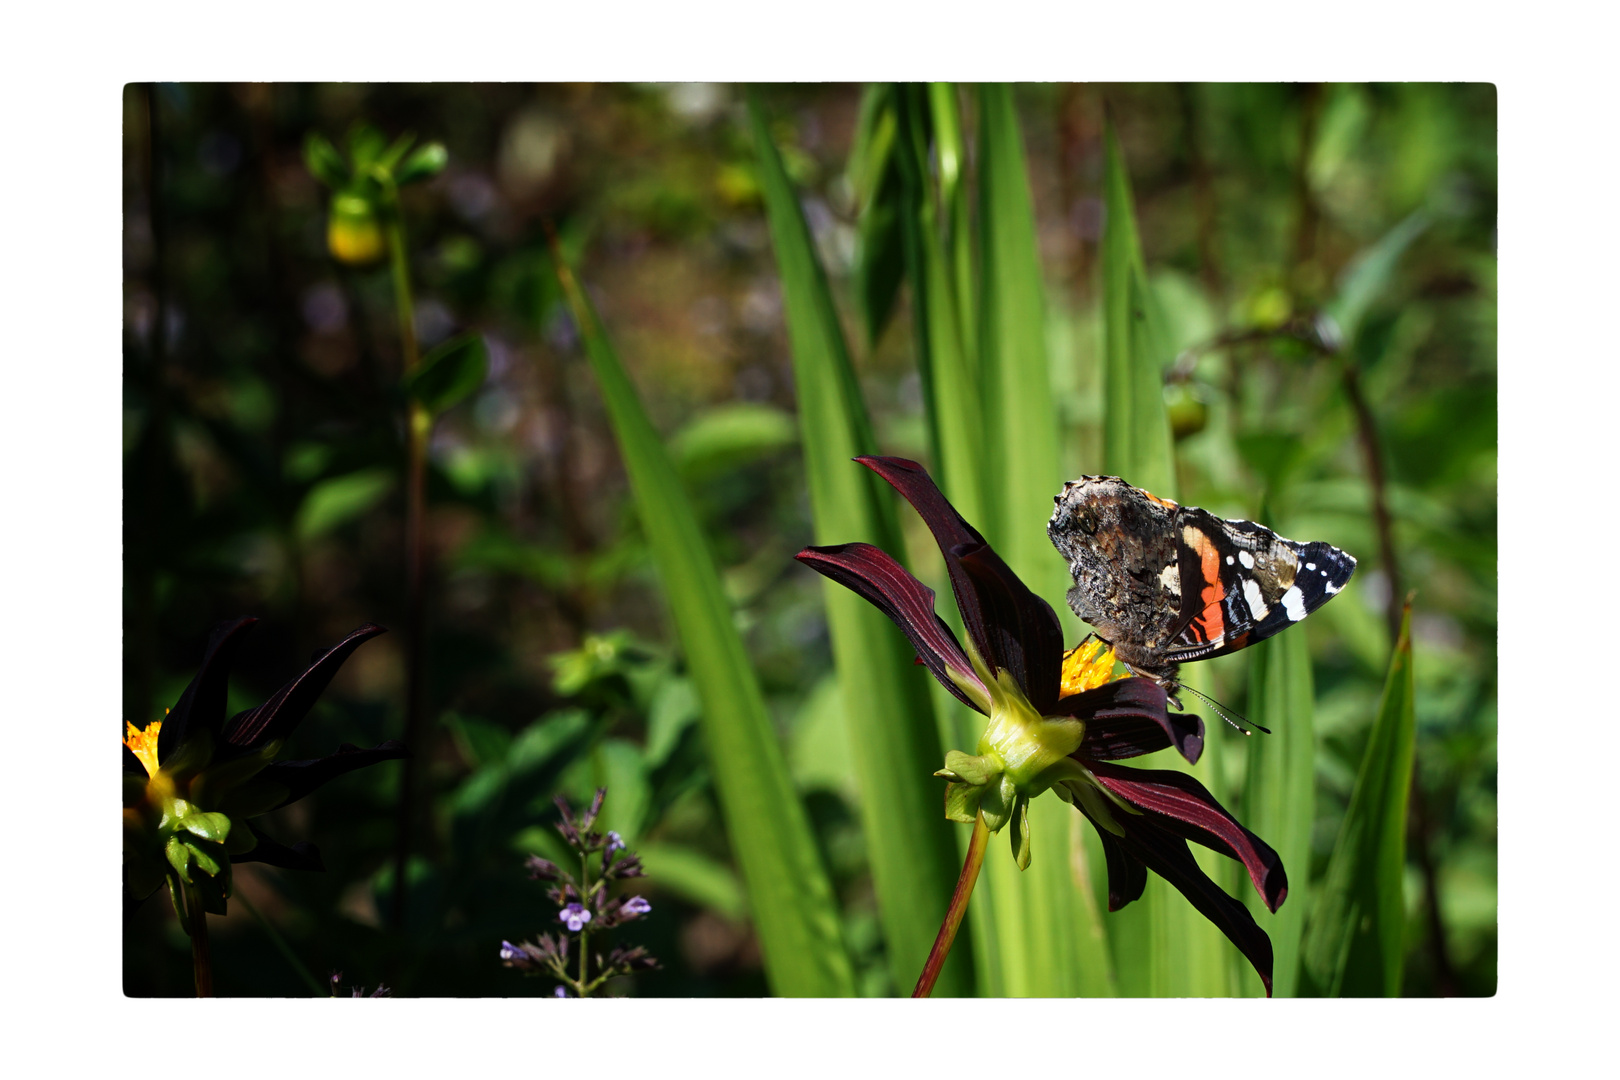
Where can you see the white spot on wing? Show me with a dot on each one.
(1257, 602)
(1293, 602)
(1246, 559)
(1310, 566)
(1229, 560)
(1330, 588)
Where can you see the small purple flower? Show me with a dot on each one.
(575, 915)
(510, 951)
(615, 843)
(634, 906)
(561, 991)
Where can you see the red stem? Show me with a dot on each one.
(953, 914)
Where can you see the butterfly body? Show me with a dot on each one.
(1164, 584)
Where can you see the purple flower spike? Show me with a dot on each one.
(575, 916)
(635, 906)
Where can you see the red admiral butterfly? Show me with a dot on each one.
(1164, 583)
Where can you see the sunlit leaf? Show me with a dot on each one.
(339, 500)
(1279, 790)
(1353, 946)
(791, 898)
(887, 704)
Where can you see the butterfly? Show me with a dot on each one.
(1164, 583)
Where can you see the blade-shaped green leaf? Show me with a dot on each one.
(791, 899)
(873, 175)
(1136, 345)
(448, 373)
(1279, 791)
(1162, 946)
(1046, 938)
(1353, 947)
(886, 698)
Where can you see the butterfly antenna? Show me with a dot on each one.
(1231, 716)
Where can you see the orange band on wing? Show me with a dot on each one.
(1211, 622)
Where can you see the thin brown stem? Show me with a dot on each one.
(202, 963)
(953, 914)
(1367, 432)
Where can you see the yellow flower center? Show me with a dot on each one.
(1086, 666)
(143, 743)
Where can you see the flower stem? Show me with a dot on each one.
(953, 914)
(202, 965)
(417, 423)
(585, 893)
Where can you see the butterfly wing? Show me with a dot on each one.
(1242, 583)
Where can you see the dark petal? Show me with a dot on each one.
(303, 777)
(909, 604)
(203, 702)
(289, 705)
(1169, 857)
(1127, 718)
(1183, 806)
(1127, 875)
(1009, 625)
(1022, 629)
(301, 856)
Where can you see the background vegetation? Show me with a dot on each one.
(264, 456)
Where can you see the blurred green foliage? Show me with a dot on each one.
(263, 456)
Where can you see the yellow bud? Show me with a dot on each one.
(353, 233)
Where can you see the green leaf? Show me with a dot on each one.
(730, 435)
(1353, 947)
(339, 500)
(1279, 792)
(793, 906)
(449, 372)
(1369, 274)
(1136, 344)
(1050, 943)
(694, 877)
(324, 162)
(424, 163)
(1162, 946)
(396, 150)
(874, 175)
(887, 703)
(366, 145)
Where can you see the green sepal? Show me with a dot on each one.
(424, 163)
(205, 858)
(971, 769)
(179, 856)
(962, 802)
(324, 162)
(396, 152)
(177, 901)
(209, 826)
(997, 803)
(1020, 833)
